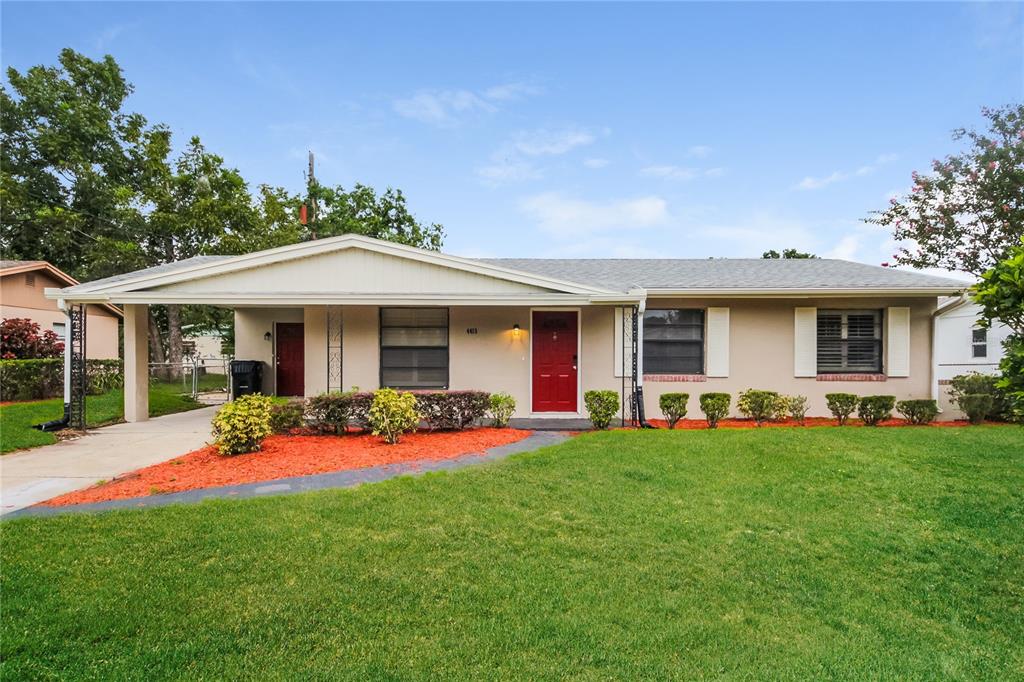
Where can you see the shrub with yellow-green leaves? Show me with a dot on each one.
(392, 414)
(241, 425)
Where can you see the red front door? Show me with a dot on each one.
(291, 358)
(554, 361)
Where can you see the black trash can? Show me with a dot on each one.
(246, 377)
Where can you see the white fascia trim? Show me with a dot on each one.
(331, 244)
(801, 293)
(314, 298)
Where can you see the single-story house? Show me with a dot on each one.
(22, 283)
(353, 311)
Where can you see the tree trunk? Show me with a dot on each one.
(174, 340)
(156, 347)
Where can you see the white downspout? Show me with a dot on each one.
(640, 342)
(67, 350)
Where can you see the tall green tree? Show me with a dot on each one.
(362, 211)
(70, 159)
(968, 212)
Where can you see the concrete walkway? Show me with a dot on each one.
(29, 477)
(300, 484)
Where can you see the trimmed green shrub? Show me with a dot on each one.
(715, 406)
(392, 414)
(841, 405)
(795, 406)
(601, 407)
(44, 378)
(976, 406)
(760, 405)
(451, 410)
(974, 384)
(240, 426)
(31, 379)
(673, 406)
(330, 412)
(918, 411)
(502, 407)
(875, 408)
(286, 415)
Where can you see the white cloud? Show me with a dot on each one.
(512, 161)
(110, 34)
(846, 249)
(447, 108)
(511, 91)
(699, 151)
(504, 171)
(565, 216)
(441, 108)
(680, 173)
(550, 142)
(596, 163)
(811, 182)
(669, 172)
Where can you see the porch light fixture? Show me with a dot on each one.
(515, 330)
(267, 336)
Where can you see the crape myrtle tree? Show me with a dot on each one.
(99, 191)
(968, 212)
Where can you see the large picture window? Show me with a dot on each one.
(674, 341)
(414, 348)
(849, 341)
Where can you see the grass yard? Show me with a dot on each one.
(769, 554)
(17, 419)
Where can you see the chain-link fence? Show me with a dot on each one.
(206, 379)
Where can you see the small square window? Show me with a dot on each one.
(60, 329)
(979, 343)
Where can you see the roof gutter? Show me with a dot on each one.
(820, 292)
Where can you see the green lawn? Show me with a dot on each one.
(846, 553)
(17, 419)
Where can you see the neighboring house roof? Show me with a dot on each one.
(14, 267)
(599, 279)
(718, 274)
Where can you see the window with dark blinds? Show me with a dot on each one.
(414, 348)
(674, 341)
(979, 343)
(849, 341)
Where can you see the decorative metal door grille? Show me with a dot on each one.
(76, 337)
(334, 348)
(630, 319)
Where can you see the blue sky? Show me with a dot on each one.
(683, 130)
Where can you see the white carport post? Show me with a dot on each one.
(136, 362)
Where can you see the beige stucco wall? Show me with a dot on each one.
(250, 326)
(495, 359)
(18, 299)
(761, 334)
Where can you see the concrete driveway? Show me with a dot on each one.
(32, 476)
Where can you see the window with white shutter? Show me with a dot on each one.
(849, 341)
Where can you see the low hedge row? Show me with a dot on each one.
(44, 378)
(762, 406)
(336, 412)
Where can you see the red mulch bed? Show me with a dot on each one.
(695, 424)
(287, 456)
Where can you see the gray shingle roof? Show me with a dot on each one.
(155, 270)
(620, 274)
